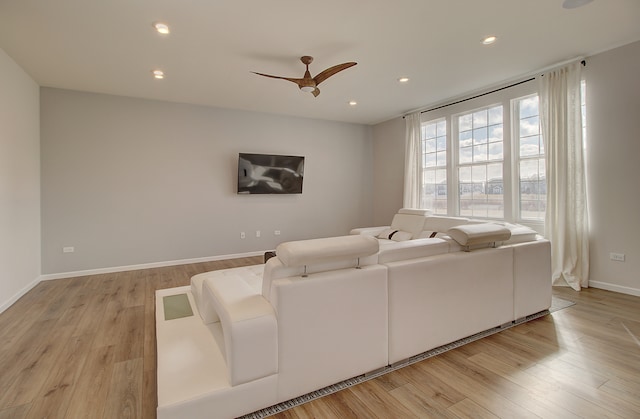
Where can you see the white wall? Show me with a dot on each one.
(613, 144)
(613, 155)
(19, 182)
(129, 181)
(388, 161)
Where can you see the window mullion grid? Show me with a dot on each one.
(510, 168)
(453, 188)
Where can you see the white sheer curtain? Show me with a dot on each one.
(566, 221)
(412, 162)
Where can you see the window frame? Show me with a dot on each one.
(505, 98)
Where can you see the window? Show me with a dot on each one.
(480, 163)
(484, 158)
(434, 166)
(532, 194)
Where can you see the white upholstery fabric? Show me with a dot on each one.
(249, 326)
(415, 211)
(266, 334)
(442, 224)
(191, 370)
(369, 231)
(439, 299)
(340, 253)
(473, 234)
(520, 234)
(251, 275)
(331, 326)
(409, 223)
(412, 249)
(317, 251)
(531, 277)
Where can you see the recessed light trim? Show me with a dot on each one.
(403, 79)
(352, 103)
(158, 74)
(488, 40)
(161, 28)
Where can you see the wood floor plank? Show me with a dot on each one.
(36, 364)
(337, 405)
(473, 387)
(584, 399)
(419, 403)
(380, 403)
(124, 396)
(17, 412)
(539, 391)
(467, 408)
(530, 397)
(440, 392)
(89, 394)
(55, 395)
(626, 390)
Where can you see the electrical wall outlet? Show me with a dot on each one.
(257, 233)
(242, 235)
(68, 249)
(618, 257)
(276, 233)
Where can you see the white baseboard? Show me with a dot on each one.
(6, 304)
(615, 288)
(73, 274)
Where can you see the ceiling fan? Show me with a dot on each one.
(308, 83)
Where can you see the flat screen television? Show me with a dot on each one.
(270, 174)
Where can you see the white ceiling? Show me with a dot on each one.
(109, 46)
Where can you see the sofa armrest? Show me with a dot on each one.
(249, 326)
(369, 231)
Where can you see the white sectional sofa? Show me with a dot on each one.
(326, 310)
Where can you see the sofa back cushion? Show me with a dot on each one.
(479, 234)
(410, 223)
(442, 224)
(319, 255)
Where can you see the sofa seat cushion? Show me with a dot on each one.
(252, 275)
(478, 234)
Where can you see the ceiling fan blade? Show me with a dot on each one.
(315, 92)
(296, 81)
(331, 71)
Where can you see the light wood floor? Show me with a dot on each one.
(85, 348)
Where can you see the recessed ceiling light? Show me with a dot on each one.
(403, 79)
(353, 103)
(572, 4)
(158, 74)
(489, 40)
(162, 28)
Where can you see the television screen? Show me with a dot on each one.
(270, 174)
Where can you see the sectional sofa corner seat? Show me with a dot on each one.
(326, 310)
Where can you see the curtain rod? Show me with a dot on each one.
(583, 62)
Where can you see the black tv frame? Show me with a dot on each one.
(269, 174)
